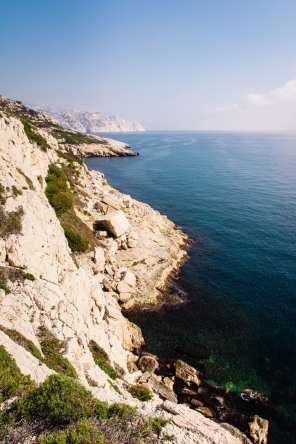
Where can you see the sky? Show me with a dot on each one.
(169, 64)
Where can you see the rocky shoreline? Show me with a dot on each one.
(122, 252)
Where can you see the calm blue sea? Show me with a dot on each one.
(234, 194)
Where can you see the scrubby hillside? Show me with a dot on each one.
(73, 251)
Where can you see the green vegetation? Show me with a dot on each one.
(70, 157)
(69, 137)
(10, 222)
(141, 393)
(5, 288)
(57, 191)
(102, 360)
(82, 432)
(28, 180)
(2, 195)
(58, 399)
(75, 241)
(30, 277)
(23, 341)
(51, 348)
(33, 136)
(114, 386)
(119, 409)
(12, 381)
(15, 191)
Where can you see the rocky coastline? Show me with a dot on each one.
(74, 254)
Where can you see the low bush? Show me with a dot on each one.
(75, 241)
(119, 409)
(102, 360)
(82, 433)
(34, 136)
(70, 157)
(2, 195)
(12, 381)
(28, 180)
(11, 221)
(141, 393)
(23, 341)
(30, 277)
(5, 288)
(58, 399)
(15, 191)
(57, 191)
(51, 348)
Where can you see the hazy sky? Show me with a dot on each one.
(190, 64)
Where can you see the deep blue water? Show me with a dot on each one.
(234, 194)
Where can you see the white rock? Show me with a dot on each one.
(123, 287)
(129, 278)
(116, 223)
(99, 258)
(131, 243)
(125, 297)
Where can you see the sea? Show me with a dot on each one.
(234, 195)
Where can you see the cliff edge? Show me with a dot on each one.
(73, 251)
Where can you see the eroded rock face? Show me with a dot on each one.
(70, 300)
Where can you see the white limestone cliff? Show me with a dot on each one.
(71, 300)
(92, 122)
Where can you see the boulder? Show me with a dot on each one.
(114, 203)
(116, 223)
(206, 411)
(124, 245)
(132, 243)
(187, 373)
(127, 201)
(129, 278)
(123, 287)
(125, 297)
(107, 284)
(101, 234)
(258, 430)
(99, 258)
(147, 364)
(162, 389)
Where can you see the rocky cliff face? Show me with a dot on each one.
(96, 122)
(77, 297)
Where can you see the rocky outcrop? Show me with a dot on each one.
(88, 122)
(78, 297)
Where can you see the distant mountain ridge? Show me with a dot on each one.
(89, 122)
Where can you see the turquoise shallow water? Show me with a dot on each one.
(234, 194)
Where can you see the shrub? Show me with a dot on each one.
(33, 136)
(51, 348)
(102, 360)
(75, 241)
(141, 393)
(59, 399)
(30, 277)
(2, 196)
(114, 386)
(4, 287)
(82, 432)
(119, 409)
(28, 180)
(23, 341)
(70, 157)
(11, 222)
(12, 381)
(57, 191)
(15, 191)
